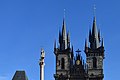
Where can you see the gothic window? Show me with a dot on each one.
(62, 63)
(94, 62)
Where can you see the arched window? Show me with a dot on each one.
(94, 62)
(62, 63)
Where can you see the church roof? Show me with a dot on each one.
(20, 75)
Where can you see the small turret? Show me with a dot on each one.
(68, 39)
(99, 35)
(90, 36)
(102, 43)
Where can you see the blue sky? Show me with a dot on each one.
(26, 26)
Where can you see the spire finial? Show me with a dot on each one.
(64, 13)
(64, 36)
(94, 10)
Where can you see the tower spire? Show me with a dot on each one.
(64, 36)
(94, 36)
(94, 28)
(95, 53)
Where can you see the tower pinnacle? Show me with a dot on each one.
(102, 43)
(93, 37)
(63, 37)
(68, 39)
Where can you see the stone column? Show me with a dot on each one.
(42, 64)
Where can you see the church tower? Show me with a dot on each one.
(64, 55)
(68, 66)
(94, 50)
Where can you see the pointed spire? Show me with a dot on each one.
(95, 40)
(68, 36)
(64, 36)
(86, 43)
(64, 29)
(72, 54)
(99, 35)
(94, 28)
(68, 39)
(55, 44)
(90, 36)
(60, 37)
(102, 43)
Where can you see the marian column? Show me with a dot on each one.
(42, 64)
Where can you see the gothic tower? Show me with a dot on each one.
(94, 54)
(68, 66)
(64, 55)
